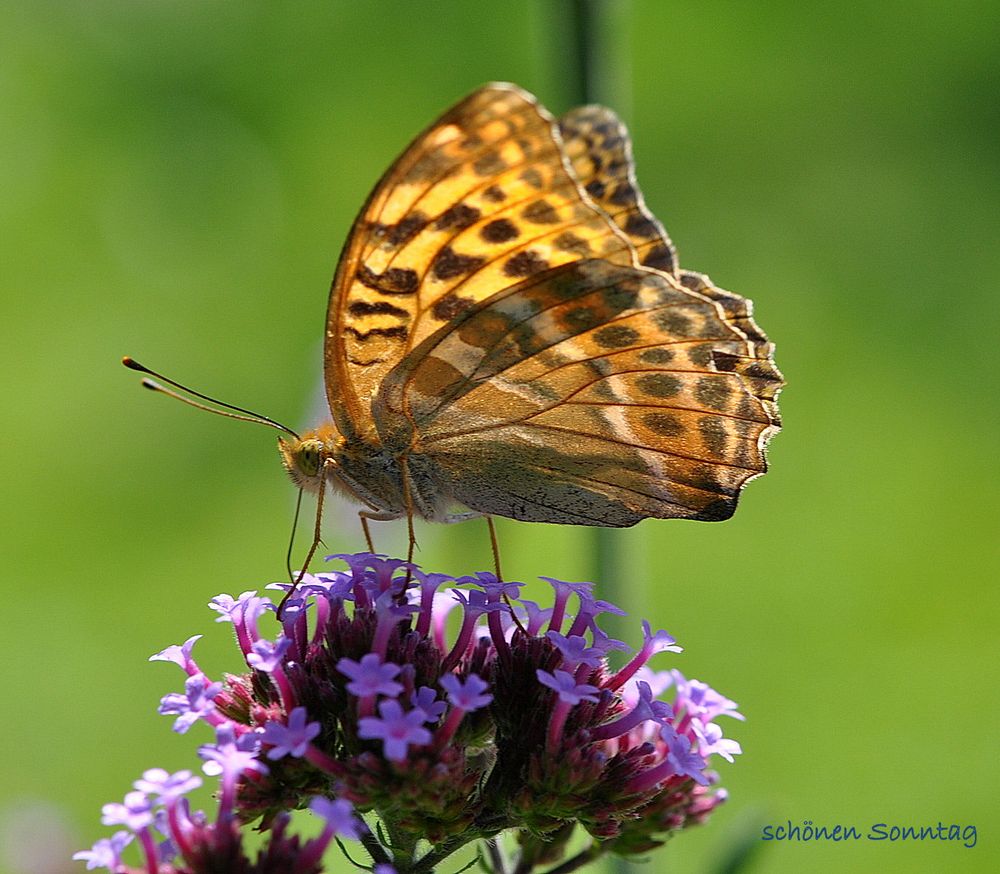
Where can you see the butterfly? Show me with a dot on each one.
(509, 333)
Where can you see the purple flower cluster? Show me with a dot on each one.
(450, 708)
(191, 842)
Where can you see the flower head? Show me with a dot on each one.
(369, 700)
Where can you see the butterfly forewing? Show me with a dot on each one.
(481, 200)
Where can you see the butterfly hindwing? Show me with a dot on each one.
(587, 394)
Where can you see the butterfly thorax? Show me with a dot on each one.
(360, 468)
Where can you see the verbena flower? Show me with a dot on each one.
(173, 840)
(447, 707)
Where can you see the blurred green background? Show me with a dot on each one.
(177, 180)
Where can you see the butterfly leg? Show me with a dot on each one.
(494, 543)
(408, 501)
(367, 516)
(452, 518)
(367, 530)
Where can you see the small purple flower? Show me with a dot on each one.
(180, 655)
(590, 609)
(563, 591)
(575, 650)
(701, 700)
(243, 612)
(232, 609)
(467, 696)
(652, 644)
(291, 738)
(397, 729)
(135, 813)
(266, 656)
(164, 785)
(371, 676)
(230, 754)
(644, 709)
(195, 703)
(340, 817)
(332, 585)
(106, 853)
(426, 699)
(534, 616)
(566, 687)
(684, 760)
(658, 682)
(373, 574)
(711, 741)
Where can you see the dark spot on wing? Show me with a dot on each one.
(582, 318)
(701, 355)
(620, 297)
(659, 258)
(616, 336)
(604, 390)
(435, 377)
(459, 217)
(397, 332)
(431, 165)
(494, 194)
(448, 264)
(395, 280)
(659, 385)
(673, 322)
(665, 424)
(657, 356)
(489, 164)
(483, 329)
(525, 263)
(570, 242)
(717, 511)
(623, 194)
(499, 231)
(714, 391)
(405, 229)
(449, 306)
(541, 212)
(376, 308)
(713, 434)
(532, 177)
(641, 226)
(596, 189)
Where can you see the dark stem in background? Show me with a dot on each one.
(591, 66)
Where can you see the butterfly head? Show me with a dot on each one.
(306, 457)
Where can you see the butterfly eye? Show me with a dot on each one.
(309, 457)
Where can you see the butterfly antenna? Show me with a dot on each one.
(248, 415)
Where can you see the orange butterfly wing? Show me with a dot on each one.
(589, 394)
(480, 200)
